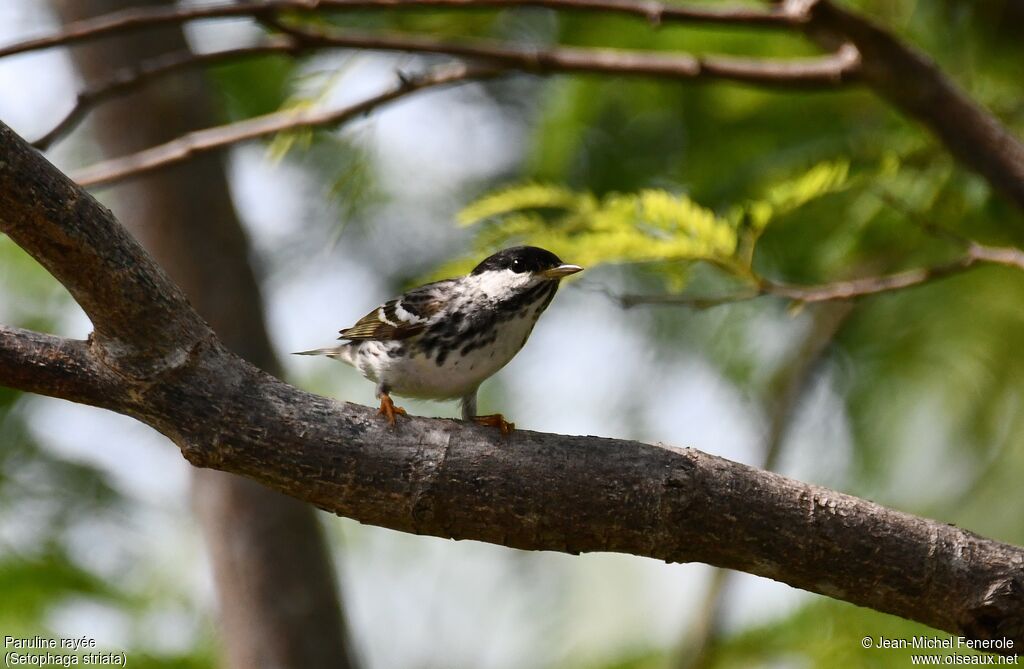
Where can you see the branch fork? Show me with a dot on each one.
(544, 491)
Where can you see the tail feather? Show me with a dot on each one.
(342, 352)
(332, 350)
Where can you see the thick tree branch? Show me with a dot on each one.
(444, 478)
(128, 298)
(579, 494)
(212, 139)
(49, 365)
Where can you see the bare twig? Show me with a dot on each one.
(139, 18)
(817, 72)
(997, 255)
(920, 220)
(130, 78)
(148, 17)
(976, 255)
(905, 77)
(833, 70)
(655, 12)
(872, 285)
(211, 139)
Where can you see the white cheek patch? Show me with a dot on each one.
(500, 284)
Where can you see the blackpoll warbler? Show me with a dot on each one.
(442, 340)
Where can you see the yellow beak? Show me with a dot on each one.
(561, 271)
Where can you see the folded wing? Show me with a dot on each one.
(400, 318)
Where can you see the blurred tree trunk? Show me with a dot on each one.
(278, 596)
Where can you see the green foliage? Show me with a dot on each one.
(782, 198)
(641, 227)
(827, 633)
(348, 181)
(31, 586)
(254, 86)
(31, 297)
(648, 226)
(316, 87)
(48, 499)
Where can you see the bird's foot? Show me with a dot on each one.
(388, 409)
(496, 420)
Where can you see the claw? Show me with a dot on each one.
(496, 420)
(388, 409)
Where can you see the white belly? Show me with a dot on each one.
(458, 375)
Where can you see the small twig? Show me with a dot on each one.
(829, 70)
(833, 69)
(149, 17)
(137, 18)
(872, 285)
(970, 132)
(210, 139)
(976, 255)
(130, 78)
(999, 255)
(919, 219)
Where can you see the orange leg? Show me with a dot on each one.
(496, 420)
(388, 408)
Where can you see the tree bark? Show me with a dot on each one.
(278, 596)
(445, 478)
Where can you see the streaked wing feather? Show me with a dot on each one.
(400, 318)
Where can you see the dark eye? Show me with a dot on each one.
(517, 264)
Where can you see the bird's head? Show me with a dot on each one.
(522, 267)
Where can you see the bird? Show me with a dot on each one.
(440, 341)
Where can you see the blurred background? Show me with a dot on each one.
(911, 399)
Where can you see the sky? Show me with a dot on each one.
(586, 370)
